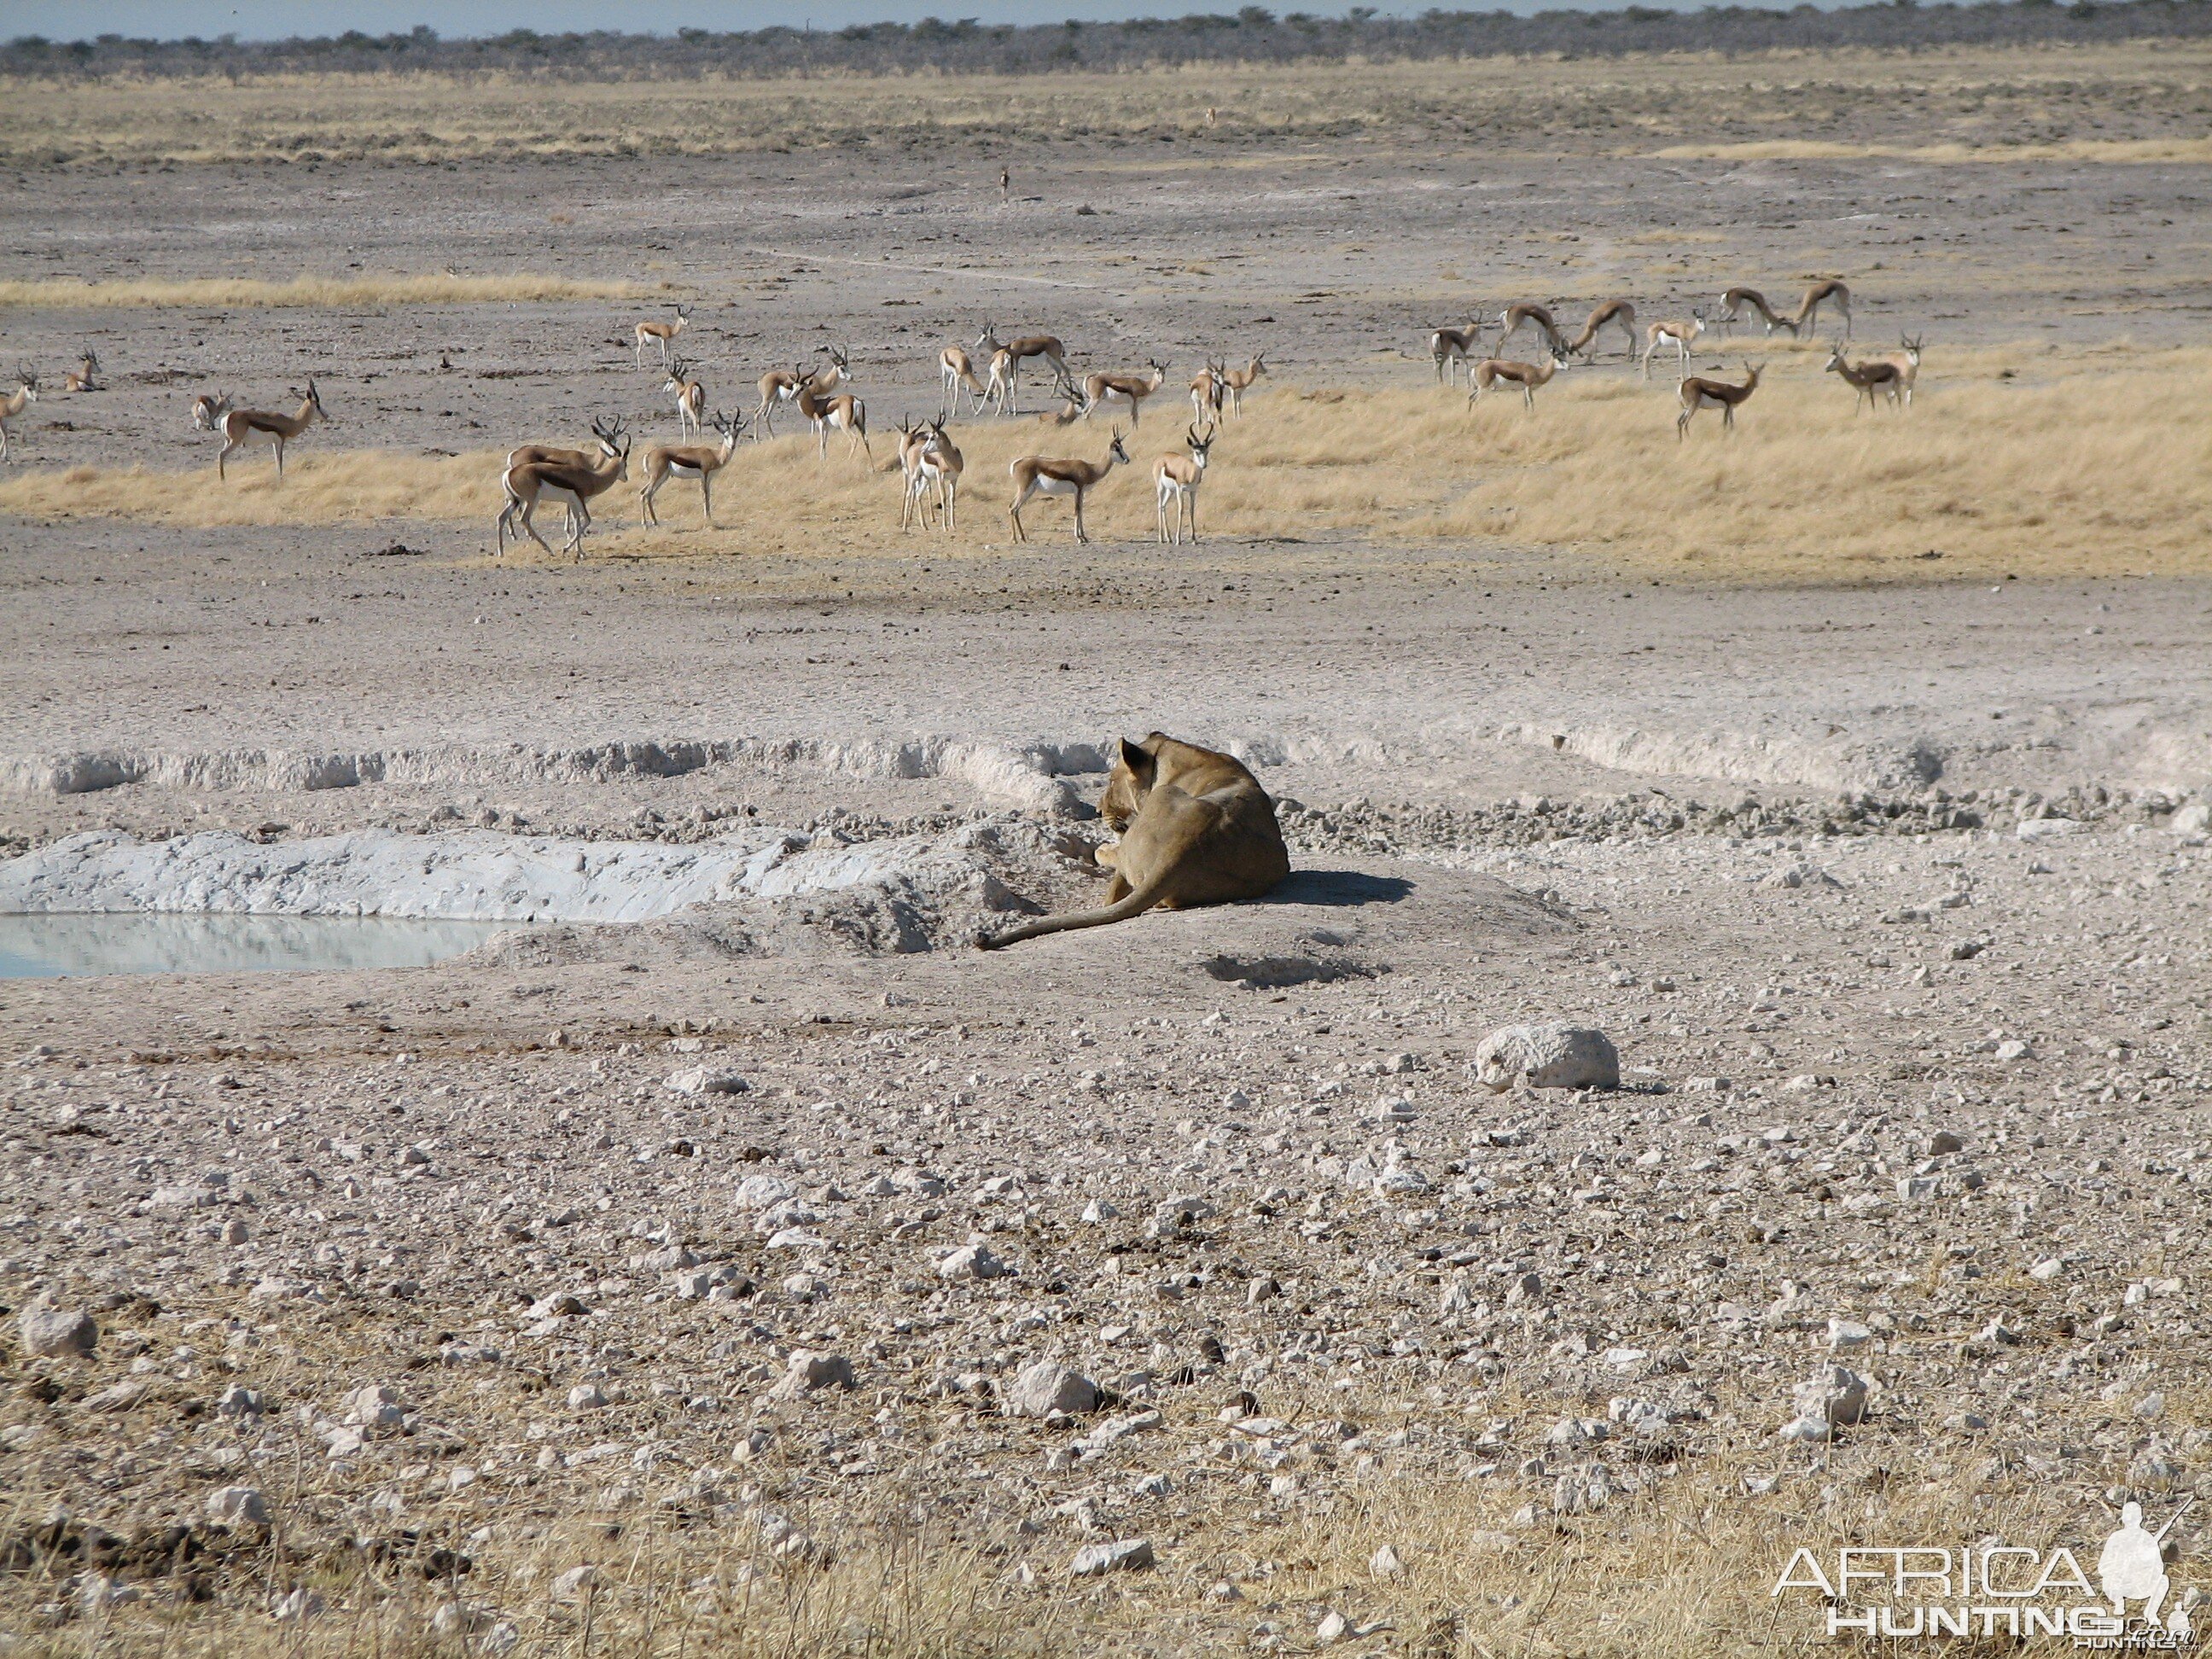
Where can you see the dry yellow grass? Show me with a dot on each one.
(2011, 461)
(1956, 103)
(392, 289)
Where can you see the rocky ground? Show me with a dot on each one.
(780, 1272)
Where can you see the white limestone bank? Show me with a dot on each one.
(485, 876)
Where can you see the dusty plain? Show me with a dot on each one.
(1725, 748)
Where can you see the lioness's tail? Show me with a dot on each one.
(1136, 903)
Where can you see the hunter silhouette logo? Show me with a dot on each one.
(2132, 1568)
(1995, 1588)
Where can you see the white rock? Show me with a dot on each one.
(2014, 1049)
(2048, 828)
(1834, 1394)
(757, 1192)
(1097, 1211)
(297, 1607)
(233, 1506)
(1848, 1334)
(1123, 1555)
(1554, 1056)
(586, 1396)
(49, 1333)
(809, 1371)
(2047, 1269)
(705, 1080)
(374, 1407)
(1386, 1563)
(972, 1261)
(1047, 1387)
(1333, 1628)
(566, 1586)
(1806, 1429)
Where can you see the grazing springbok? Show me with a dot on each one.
(242, 426)
(85, 377)
(1176, 479)
(1875, 376)
(1697, 392)
(1510, 321)
(208, 408)
(1240, 380)
(1607, 313)
(1678, 335)
(661, 334)
(1737, 300)
(957, 369)
(1130, 389)
(700, 461)
(25, 394)
(1828, 292)
(1451, 348)
(690, 395)
(1527, 376)
(570, 487)
(1042, 475)
(844, 413)
(1046, 346)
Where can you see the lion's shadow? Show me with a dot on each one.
(1339, 889)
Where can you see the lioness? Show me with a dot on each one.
(1196, 828)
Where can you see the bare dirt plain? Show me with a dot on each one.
(1906, 1088)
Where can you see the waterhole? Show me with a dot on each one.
(53, 946)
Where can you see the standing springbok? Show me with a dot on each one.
(912, 437)
(1176, 479)
(522, 454)
(1130, 389)
(1240, 381)
(700, 461)
(25, 394)
(1875, 374)
(1678, 335)
(1207, 388)
(844, 412)
(1906, 358)
(208, 408)
(1828, 292)
(1697, 392)
(1042, 475)
(570, 487)
(1510, 321)
(940, 467)
(85, 377)
(1046, 346)
(1607, 313)
(1527, 376)
(1736, 301)
(957, 369)
(242, 426)
(661, 334)
(1451, 348)
(690, 395)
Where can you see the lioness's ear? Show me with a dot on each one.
(1134, 757)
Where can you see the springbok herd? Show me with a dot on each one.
(929, 463)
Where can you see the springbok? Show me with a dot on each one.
(911, 438)
(1046, 346)
(242, 426)
(1697, 392)
(570, 487)
(661, 334)
(1130, 389)
(1176, 479)
(1207, 388)
(1042, 475)
(941, 466)
(1240, 380)
(1678, 335)
(1527, 376)
(690, 395)
(1828, 292)
(1451, 348)
(844, 412)
(1510, 321)
(957, 369)
(1737, 299)
(524, 454)
(1906, 358)
(700, 461)
(25, 394)
(1607, 313)
(85, 376)
(208, 408)
(1875, 374)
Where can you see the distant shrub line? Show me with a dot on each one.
(1253, 34)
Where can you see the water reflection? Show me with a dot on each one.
(51, 946)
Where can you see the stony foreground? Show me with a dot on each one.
(609, 1277)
